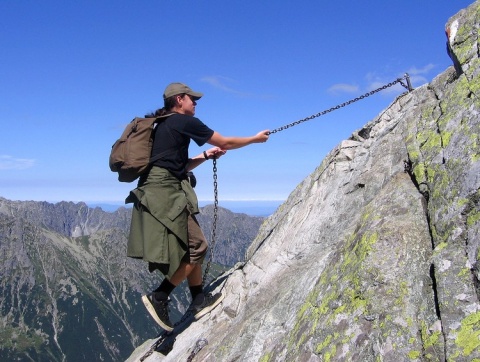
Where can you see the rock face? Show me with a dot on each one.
(374, 256)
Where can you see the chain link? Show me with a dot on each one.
(398, 80)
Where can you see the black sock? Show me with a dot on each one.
(164, 290)
(196, 290)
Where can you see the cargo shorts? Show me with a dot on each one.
(197, 243)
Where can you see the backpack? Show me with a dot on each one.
(131, 154)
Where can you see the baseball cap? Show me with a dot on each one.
(180, 88)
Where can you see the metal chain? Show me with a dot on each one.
(398, 80)
(202, 342)
(154, 346)
(164, 335)
(215, 217)
(215, 183)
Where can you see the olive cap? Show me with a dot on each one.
(180, 88)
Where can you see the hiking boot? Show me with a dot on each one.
(204, 303)
(158, 309)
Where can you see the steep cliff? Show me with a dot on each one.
(374, 256)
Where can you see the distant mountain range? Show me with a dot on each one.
(69, 293)
(262, 208)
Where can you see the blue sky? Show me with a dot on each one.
(74, 73)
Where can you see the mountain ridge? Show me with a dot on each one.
(68, 290)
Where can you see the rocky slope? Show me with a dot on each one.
(67, 290)
(374, 256)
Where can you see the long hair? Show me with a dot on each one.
(168, 104)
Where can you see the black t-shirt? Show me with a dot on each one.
(172, 138)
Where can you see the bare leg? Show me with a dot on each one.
(195, 277)
(191, 272)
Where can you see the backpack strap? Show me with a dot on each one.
(161, 154)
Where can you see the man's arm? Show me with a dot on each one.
(215, 152)
(231, 143)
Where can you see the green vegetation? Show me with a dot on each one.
(468, 336)
(21, 339)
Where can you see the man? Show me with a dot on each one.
(164, 231)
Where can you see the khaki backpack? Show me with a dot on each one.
(131, 154)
